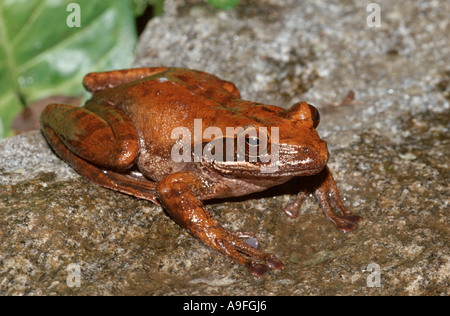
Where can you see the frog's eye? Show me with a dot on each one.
(252, 142)
(314, 115)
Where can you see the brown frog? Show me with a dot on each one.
(124, 139)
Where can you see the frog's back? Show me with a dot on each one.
(174, 98)
(176, 92)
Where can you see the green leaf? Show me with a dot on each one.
(42, 55)
(139, 6)
(224, 4)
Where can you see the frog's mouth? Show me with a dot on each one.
(288, 162)
(245, 169)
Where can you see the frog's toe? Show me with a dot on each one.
(252, 241)
(245, 248)
(352, 218)
(275, 263)
(257, 269)
(291, 210)
(345, 226)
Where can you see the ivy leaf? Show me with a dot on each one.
(47, 46)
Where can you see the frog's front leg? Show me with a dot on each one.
(325, 190)
(180, 195)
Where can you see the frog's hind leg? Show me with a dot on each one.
(98, 81)
(100, 148)
(102, 135)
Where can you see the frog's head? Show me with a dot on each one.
(301, 150)
(290, 146)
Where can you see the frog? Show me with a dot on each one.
(122, 139)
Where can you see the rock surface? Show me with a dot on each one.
(389, 153)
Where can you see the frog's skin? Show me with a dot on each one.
(121, 139)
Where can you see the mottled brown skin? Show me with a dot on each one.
(121, 139)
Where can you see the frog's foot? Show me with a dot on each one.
(178, 194)
(241, 251)
(325, 190)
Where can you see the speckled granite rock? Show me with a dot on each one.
(389, 154)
